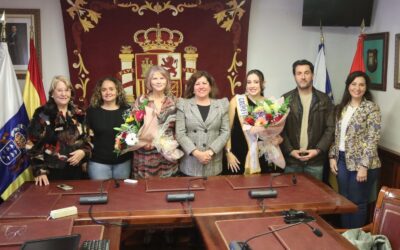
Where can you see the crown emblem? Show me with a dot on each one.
(190, 49)
(158, 39)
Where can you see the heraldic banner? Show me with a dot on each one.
(123, 38)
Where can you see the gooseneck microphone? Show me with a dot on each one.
(243, 245)
(265, 193)
(188, 196)
(315, 230)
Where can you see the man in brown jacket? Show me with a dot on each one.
(309, 128)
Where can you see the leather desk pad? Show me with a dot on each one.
(16, 233)
(174, 184)
(298, 237)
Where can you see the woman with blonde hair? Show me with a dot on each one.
(148, 161)
(58, 144)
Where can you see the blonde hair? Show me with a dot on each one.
(63, 79)
(149, 75)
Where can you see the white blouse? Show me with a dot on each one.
(345, 123)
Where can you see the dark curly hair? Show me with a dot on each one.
(96, 99)
(189, 91)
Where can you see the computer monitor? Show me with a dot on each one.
(68, 242)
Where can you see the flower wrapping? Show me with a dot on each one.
(267, 121)
(165, 143)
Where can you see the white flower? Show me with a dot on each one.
(131, 139)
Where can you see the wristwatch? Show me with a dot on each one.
(227, 150)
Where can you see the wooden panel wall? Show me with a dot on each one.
(390, 174)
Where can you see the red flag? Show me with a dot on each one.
(358, 61)
(34, 95)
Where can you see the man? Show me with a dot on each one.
(309, 127)
(13, 45)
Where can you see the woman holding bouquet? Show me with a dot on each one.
(238, 156)
(160, 105)
(353, 156)
(202, 126)
(107, 105)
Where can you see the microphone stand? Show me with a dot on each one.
(188, 202)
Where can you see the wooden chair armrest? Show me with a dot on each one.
(366, 228)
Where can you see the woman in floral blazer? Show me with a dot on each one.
(354, 155)
(58, 144)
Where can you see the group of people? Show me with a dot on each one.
(64, 141)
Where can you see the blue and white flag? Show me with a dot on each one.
(321, 76)
(13, 123)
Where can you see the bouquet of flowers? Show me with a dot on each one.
(127, 138)
(267, 121)
(141, 128)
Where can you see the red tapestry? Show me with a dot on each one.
(123, 38)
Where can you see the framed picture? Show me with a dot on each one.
(397, 63)
(19, 24)
(375, 59)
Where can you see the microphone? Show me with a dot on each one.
(294, 179)
(315, 230)
(116, 183)
(101, 198)
(188, 196)
(265, 193)
(243, 245)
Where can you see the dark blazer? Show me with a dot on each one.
(321, 127)
(194, 133)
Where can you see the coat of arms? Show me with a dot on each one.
(158, 45)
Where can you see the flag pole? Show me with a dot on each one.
(31, 33)
(3, 27)
(362, 27)
(322, 34)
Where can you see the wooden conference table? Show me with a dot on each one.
(144, 203)
(220, 230)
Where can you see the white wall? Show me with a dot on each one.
(387, 19)
(54, 50)
(276, 40)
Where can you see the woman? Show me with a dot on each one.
(202, 126)
(58, 144)
(147, 161)
(107, 105)
(354, 155)
(237, 148)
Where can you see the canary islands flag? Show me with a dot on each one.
(13, 123)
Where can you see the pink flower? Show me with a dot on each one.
(139, 115)
(260, 121)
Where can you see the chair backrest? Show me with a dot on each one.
(387, 215)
